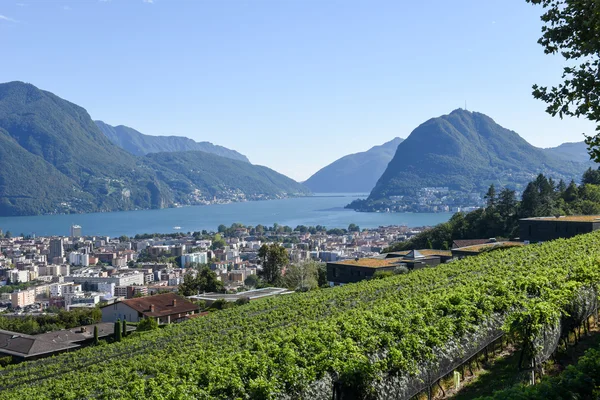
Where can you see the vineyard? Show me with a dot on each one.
(387, 338)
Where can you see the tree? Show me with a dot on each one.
(572, 193)
(301, 229)
(273, 258)
(123, 238)
(96, 340)
(571, 29)
(124, 327)
(117, 331)
(490, 196)
(147, 324)
(201, 280)
(322, 275)
(302, 276)
(591, 176)
(222, 228)
(353, 228)
(218, 242)
(8, 235)
(251, 281)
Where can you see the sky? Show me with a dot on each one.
(292, 84)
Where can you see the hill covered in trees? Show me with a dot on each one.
(54, 159)
(465, 152)
(139, 144)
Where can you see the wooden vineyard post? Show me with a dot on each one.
(456, 380)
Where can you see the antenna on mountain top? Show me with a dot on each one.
(466, 106)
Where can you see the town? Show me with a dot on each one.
(78, 271)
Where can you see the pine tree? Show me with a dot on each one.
(117, 333)
(490, 196)
(124, 327)
(96, 341)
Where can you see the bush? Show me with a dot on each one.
(147, 324)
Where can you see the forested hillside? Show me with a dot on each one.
(54, 159)
(139, 144)
(465, 152)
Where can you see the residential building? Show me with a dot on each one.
(22, 298)
(17, 276)
(165, 308)
(194, 258)
(62, 289)
(77, 258)
(56, 249)
(75, 231)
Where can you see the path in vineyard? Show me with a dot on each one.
(502, 371)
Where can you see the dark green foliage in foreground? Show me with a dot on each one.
(571, 29)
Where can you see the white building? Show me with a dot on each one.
(75, 231)
(17, 276)
(62, 289)
(194, 258)
(106, 288)
(54, 270)
(77, 258)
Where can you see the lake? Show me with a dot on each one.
(320, 209)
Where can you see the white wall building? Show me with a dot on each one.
(75, 231)
(77, 258)
(17, 276)
(198, 258)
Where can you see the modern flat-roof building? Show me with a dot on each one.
(476, 249)
(351, 271)
(540, 229)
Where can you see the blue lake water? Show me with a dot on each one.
(321, 209)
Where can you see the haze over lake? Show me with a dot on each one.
(321, 209)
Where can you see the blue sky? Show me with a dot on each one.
(293, 84)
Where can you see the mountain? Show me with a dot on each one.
(466, 152)
(214, 175)
(55, 159)
(139, 144)
(354, 173)
(574, 151)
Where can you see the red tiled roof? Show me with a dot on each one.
(163, 305)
